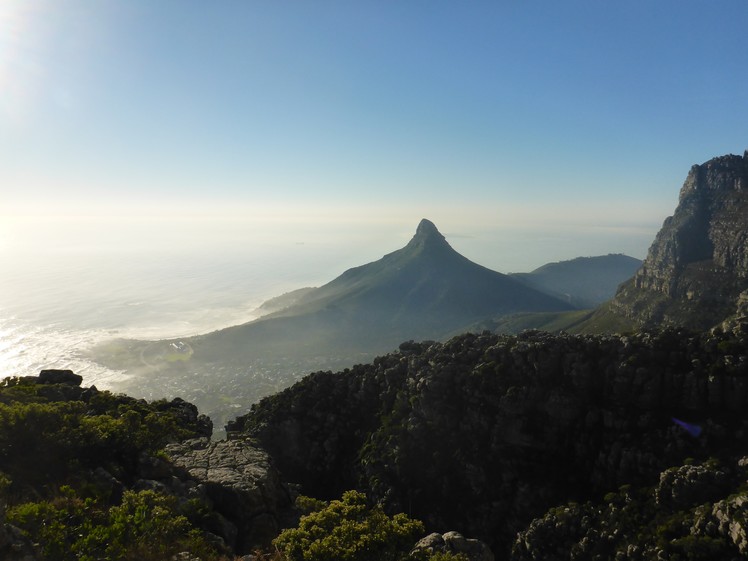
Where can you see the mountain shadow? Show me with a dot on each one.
(486, 432)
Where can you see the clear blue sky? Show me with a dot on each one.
(485, 116)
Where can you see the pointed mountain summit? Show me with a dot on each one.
(427, 230)
(426, 290)
(427, 236)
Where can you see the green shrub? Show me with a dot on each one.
(349, 530)
(146, 526)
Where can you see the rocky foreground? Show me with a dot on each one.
(535, 446)
(486, 433)
(90, 475)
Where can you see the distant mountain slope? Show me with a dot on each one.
(696, 272)
(584, 282)
(425, 290)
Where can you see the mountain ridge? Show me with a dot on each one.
(425, 276)
(425, 290)
(695, 274)
(438, 293)
(584, 282)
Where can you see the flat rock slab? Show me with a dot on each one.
(240, 481)
(232, 463)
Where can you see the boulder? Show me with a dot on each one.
(454, 542)
(241, 484)
(53, 376)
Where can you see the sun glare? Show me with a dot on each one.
(21, 66)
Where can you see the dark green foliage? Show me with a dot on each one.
(349, 530)
(146, 526)
(54, 438)
(97, 429)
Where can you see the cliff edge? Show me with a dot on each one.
(697, 267)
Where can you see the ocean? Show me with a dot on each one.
(59, 300)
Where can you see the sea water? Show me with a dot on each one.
(69, 284)
(60, 297)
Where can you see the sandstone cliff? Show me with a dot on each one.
(697, 267)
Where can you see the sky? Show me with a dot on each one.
(554, 128)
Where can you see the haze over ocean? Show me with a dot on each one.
(67, 284)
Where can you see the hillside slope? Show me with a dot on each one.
(584, 282)
(425, 290)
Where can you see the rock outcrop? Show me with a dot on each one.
(56, 433)
(238, 482)
(706, 521)
(485, 432)
(54, 376)
(697, 267)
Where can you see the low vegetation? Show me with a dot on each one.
(350, 530)
(67, 457)
(71, 460)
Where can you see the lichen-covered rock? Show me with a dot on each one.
(731, 518)
(240, 482)
(454, 542)
(432, 543)
(639, 524)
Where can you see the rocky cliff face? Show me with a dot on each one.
(697, 267)
(483, 433)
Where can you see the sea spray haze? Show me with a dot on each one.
(425, 290)
(69, 283)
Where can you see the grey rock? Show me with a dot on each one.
(108, 485)
(150, 485)
(242, 485)
(731, 516)
(431, 543)
(454, 542)
(687, 486)
(185, 556)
